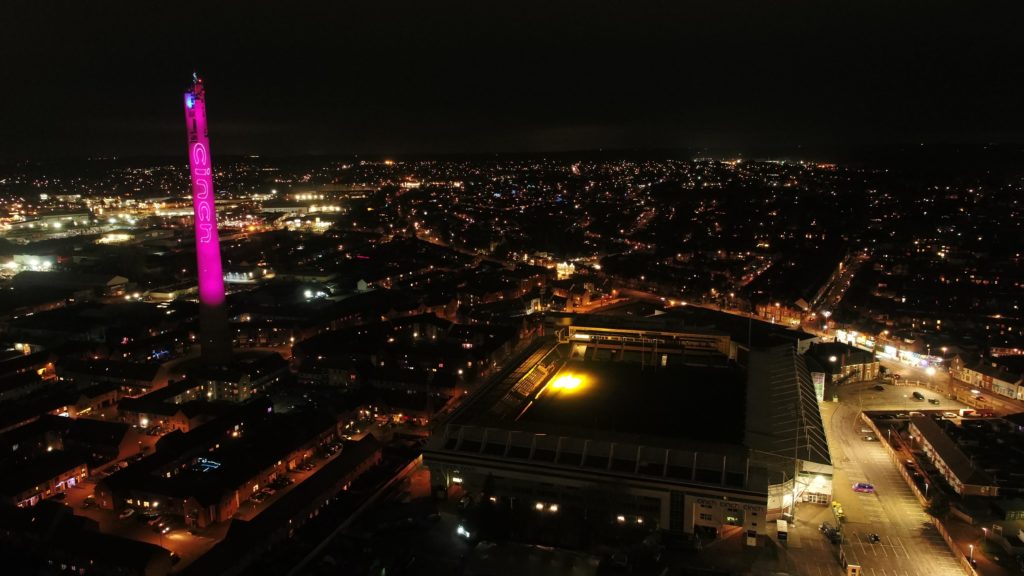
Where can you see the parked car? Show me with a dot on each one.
(949, 414)
(879, 387)
(869, 438)
(280, 482)
(863, 487)
(933, 401)
(126, 513)
(147, 516)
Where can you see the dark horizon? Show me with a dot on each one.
(520, 78)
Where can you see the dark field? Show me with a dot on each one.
(694, 403)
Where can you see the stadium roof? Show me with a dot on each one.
(783, 417)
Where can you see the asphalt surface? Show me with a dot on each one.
(187, 545)
(910, 545)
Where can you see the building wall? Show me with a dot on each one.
(659, 504)
(715, 512)
(55, 485)
(860, 372)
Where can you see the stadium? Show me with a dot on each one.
(614, 421)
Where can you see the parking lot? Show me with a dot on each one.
(909, 545)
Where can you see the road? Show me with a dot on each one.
(839, 282)
(188, 546)
(910, 545)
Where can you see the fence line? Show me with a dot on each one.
(965, 563)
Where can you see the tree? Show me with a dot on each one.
(938, 506)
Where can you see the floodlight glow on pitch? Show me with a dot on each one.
(568, 383)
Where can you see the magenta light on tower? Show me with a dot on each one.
(211, 277)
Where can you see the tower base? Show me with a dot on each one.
(214, 337)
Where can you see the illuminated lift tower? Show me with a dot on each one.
(213, 323)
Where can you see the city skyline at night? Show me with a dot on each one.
(581, 289)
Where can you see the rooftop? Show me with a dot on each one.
(24, 476)
(958, 463)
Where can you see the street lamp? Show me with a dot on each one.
(972, 552)
(925, 490)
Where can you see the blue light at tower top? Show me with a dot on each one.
(190, 101)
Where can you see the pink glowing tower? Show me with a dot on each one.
(216, 343)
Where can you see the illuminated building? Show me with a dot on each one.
(216, 343)
(608, 423)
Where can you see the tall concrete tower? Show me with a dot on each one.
(213, 322)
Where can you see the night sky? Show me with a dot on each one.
(290, 77)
